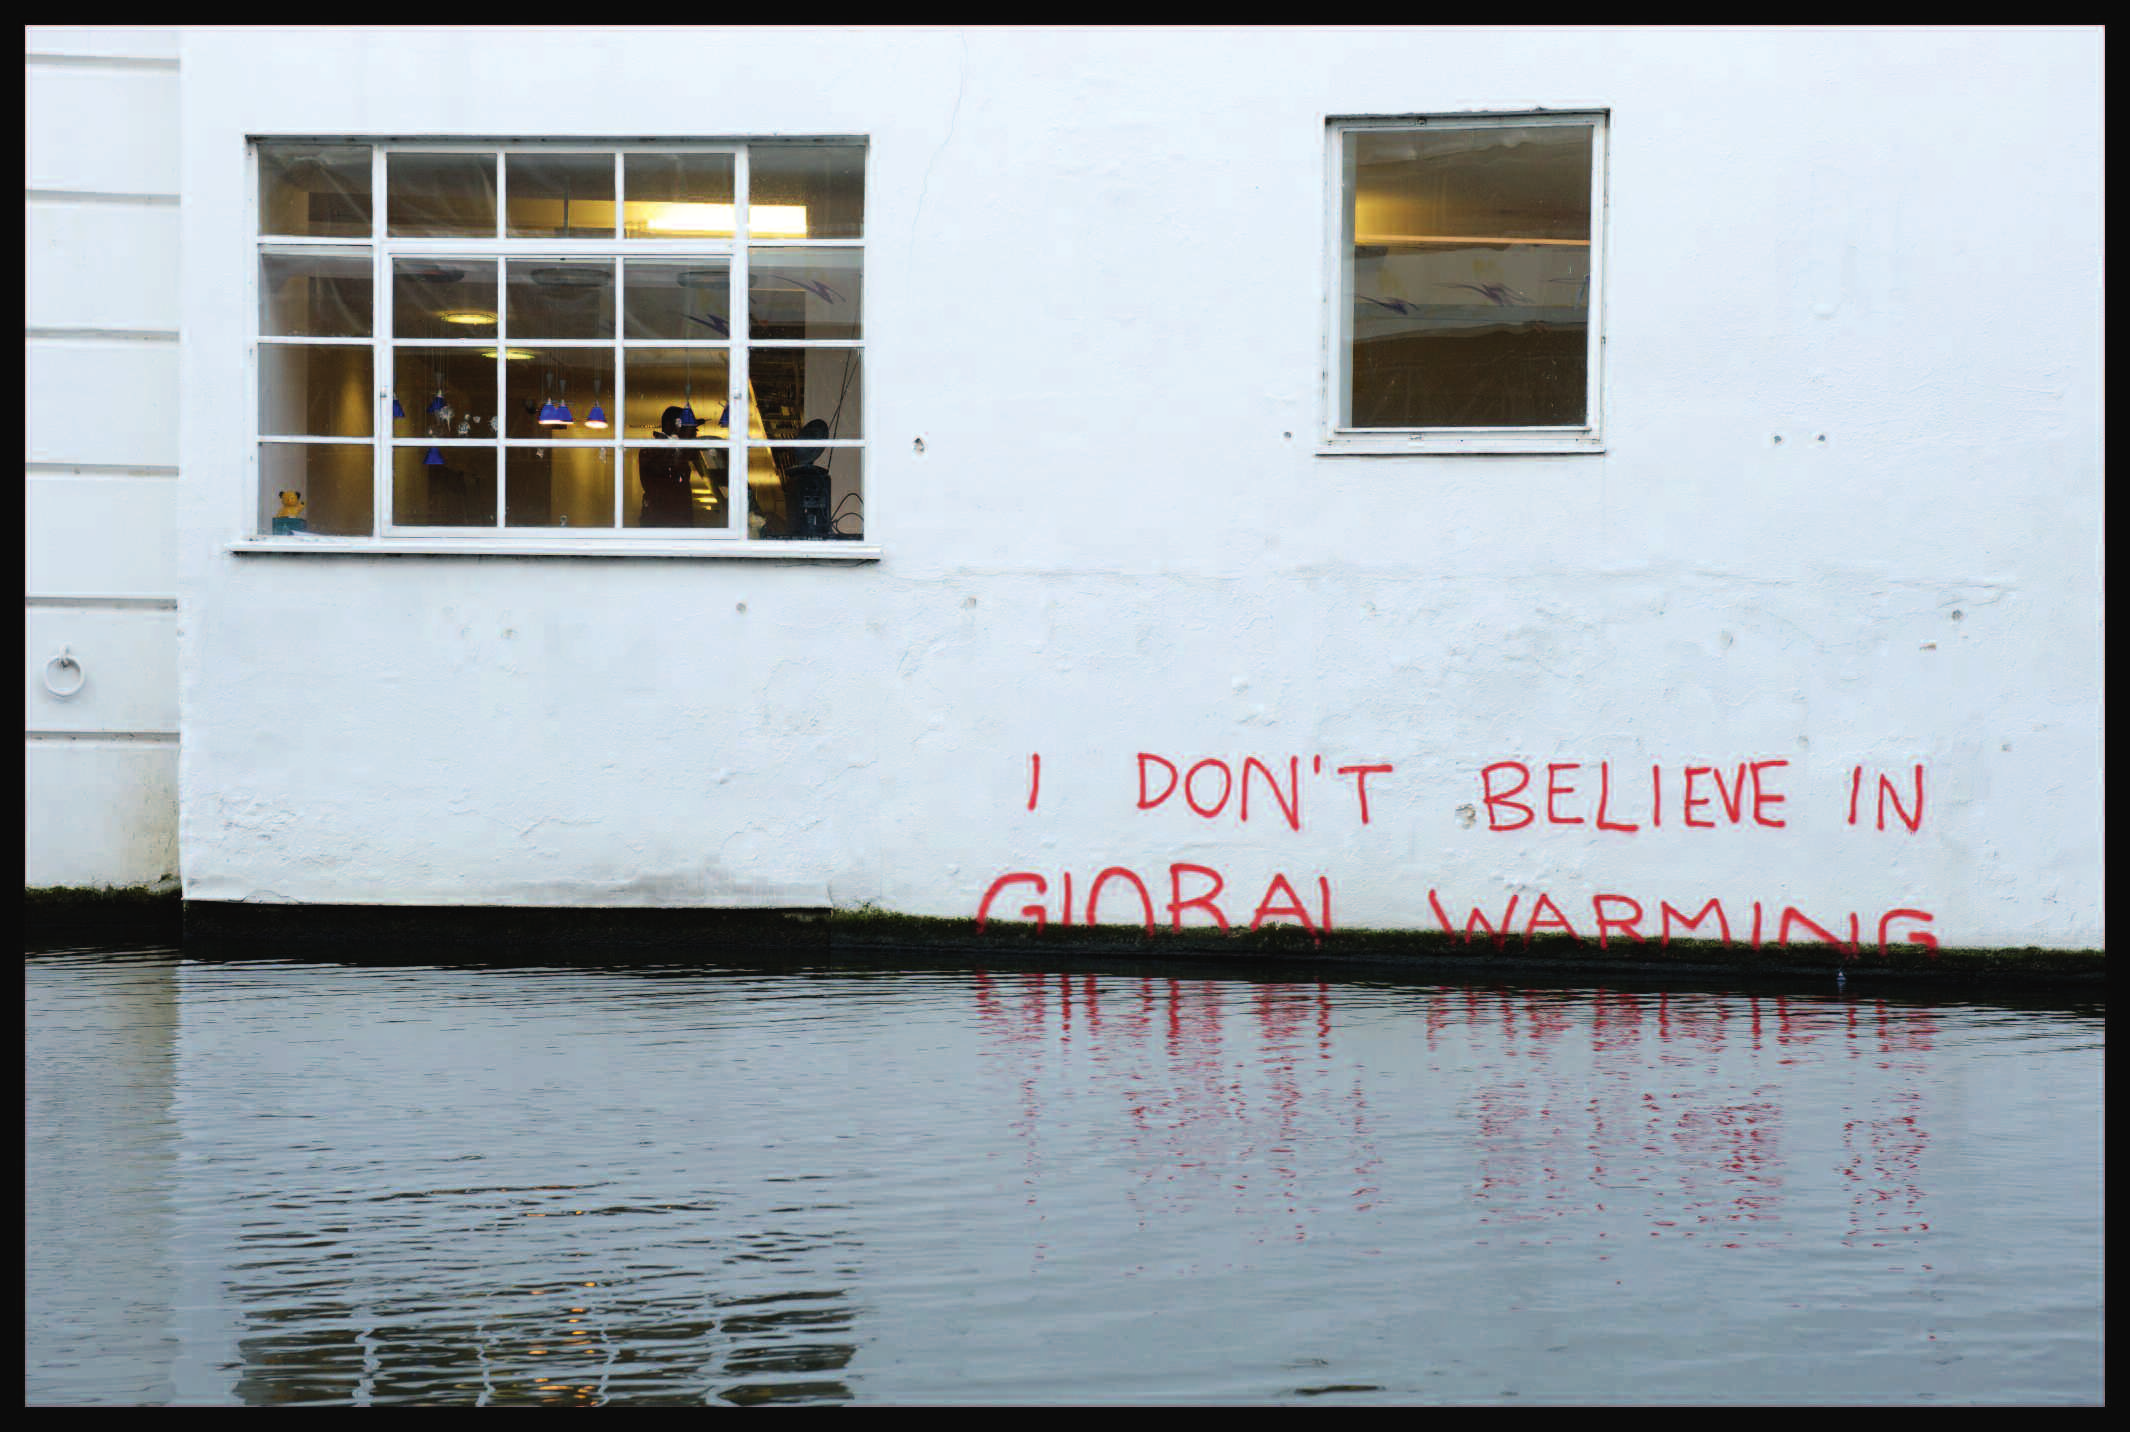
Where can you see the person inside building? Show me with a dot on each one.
(667, 474)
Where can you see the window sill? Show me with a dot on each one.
(810, 551)
(1434, 445)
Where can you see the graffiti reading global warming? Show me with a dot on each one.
(1608, 799)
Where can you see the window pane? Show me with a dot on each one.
(444, 486)
(1468, 280)
(554, 298)
(805, 392)
(328, 485)
(559, 196)
(806, 191)
(443, 298)
(440, 196)
(445, 392)
(685, 299)
(676, 196)
(558, 487)
(674, 485)
(315, 293)
(806, 493)
(316, 190)
(573, 379)
(315, 390)
(661, 378)
(804, 293)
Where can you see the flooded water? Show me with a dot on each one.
(310, 1183)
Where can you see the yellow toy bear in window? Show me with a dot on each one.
(290, 517)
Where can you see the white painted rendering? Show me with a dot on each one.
(101, 299)
(99, 535)
(1095, 330)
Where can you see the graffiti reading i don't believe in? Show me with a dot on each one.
(1512, 795)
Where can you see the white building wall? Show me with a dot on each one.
(1095, 293)
(101, 301)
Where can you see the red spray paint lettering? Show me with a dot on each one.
(1281, 900)
(1623, 915)
(1209, 787)
(1745, 793)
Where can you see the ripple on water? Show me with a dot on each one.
(299, 1184)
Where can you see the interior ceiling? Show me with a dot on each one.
(1518, 183)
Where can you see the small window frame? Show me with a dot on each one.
(1335, 440)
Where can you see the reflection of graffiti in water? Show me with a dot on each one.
(1883, 1155)
(1659, 1108)
(1208, 1105)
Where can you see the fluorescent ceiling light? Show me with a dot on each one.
(766, 221)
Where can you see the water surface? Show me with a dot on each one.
(293, 1183)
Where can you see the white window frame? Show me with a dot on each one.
(731, 540)
(1334, 440)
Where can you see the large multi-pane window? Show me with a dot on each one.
(1466, 281)
(485, 339)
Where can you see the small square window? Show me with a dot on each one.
(1465, 284)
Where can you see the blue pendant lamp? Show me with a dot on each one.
(434, 459)
(554, 414)
(596, 418)
(397, 411)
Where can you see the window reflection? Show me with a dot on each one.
(558, 487)
(445, 392)
(314, 390)
(686, 299)
(444, 298)
(819, 187)
(315, 293)
(559, 196)
(444, 485)
(1468, 278)
(677, 196)
(558, 298)
(694, 379)
(315, 190)
(804, 293)
(570, 379)
(807, 392)
(805, 491)
(676, 484)
(440, 195)
(331, 485)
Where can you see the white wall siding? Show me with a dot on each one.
(135, 43)
(102, 402)
(100, 130)
(102, 812)
(102, 302)
(103, 536)
(102, 266)
(127, 657)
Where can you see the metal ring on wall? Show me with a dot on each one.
(63, 675)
